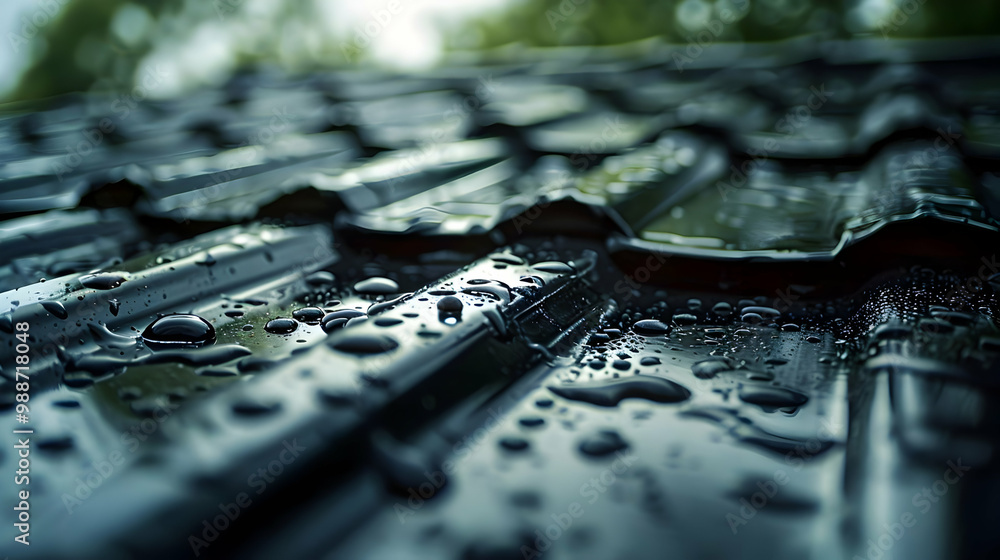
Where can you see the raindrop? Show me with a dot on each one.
(281, 325)
(709, 368)
(320, 278)
(768, 396)
(723, 309)
(376, 286)
(650, 327)
(553, 267)
(684, 319)
(604, 442)
(364, 344)
(611, 392)
(309, 315)
(178, 331)
(103, 280)
(514, 443)
(55, 308)
(532, 421)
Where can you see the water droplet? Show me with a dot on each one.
(320, 278)
(55, 308)
(449, 304)
(611, 392)
(512, 443)
(103, 280)
(364, 344)
(649, 361)
(723, 309)
(760, 376)
(650, 327)
(684, 319)
(178, 331)
(777, 397)
(67, 403)
(252, 407)
(710, 367)
(114, 307)
(532, 421)
(309, 315)
(604, 442)
(450, 309)
(383, 305)
(56, 443)
(768, 312)
(553, 267)
(506, 258)
(281, 325)
(376, 286)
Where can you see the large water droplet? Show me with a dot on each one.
(722, 308)
(55, 308)
(336, 319)
(514, 443)
(179, 331)
(320, 278)
(553, 267)
(103, 280)
(450, 304)
(364, 344)
(765, 395)
(281, 325)
(309, 315)
(650, 327)
(710, 367)
(376, 286)
(602, 443)
(613, 391)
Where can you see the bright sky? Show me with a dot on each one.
(409, 39)
(12, 52)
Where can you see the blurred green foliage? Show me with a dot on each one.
(95, 44)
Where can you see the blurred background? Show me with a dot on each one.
(59, 46)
